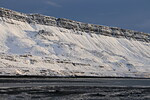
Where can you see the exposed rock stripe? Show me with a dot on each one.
(74, 25)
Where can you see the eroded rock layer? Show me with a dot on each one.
(74, 25)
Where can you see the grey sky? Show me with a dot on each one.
(128, 14)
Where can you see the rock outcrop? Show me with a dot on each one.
(74, 25)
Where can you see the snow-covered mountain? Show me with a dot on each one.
(34, 44)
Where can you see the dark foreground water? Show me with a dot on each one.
(74, 89)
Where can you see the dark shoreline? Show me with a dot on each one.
(34, 76)
(74, 89)
(66, 88)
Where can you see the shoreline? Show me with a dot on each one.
(100, 77)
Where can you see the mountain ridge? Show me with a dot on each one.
(32, 45)
(75, 25)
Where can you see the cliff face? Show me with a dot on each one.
(74, 25)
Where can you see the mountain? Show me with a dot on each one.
(35, 44)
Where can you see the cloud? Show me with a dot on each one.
(51, 3)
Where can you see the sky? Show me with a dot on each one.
(127, 14)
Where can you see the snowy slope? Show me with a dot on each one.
(33, 49)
